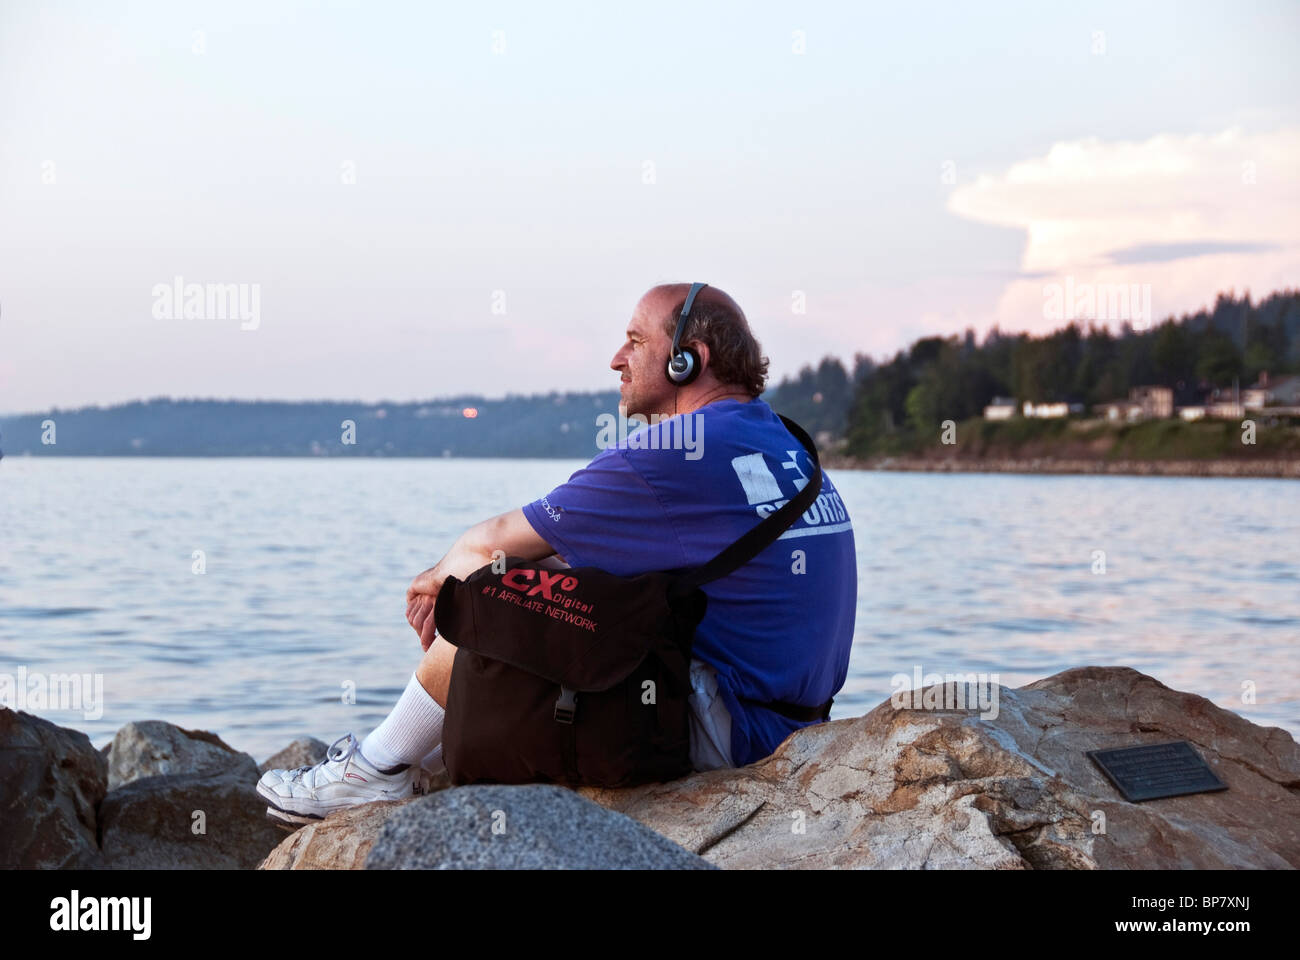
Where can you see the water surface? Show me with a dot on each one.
(307, 564)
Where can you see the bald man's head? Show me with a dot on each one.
(731, 359)
(735, 356)
(669, 298)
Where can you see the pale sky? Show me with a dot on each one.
(431, 199)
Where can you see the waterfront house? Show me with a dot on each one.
(1001, 408)
(1051, 411)
(1143, 403)
(1225, 403)
(1279, 392)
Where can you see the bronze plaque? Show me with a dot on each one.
(1156, 770)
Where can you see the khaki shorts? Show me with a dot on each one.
(710, 721)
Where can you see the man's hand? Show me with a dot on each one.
(421, 596)
(426, 584)
(419, 614)
(509, 533)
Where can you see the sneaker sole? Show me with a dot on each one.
(274, 803)
(299, 817)
(284, 818)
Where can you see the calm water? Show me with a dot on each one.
(307, 564)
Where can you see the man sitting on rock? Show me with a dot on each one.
(777, 630)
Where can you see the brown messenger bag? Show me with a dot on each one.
(580, 676)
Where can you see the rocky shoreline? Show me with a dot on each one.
(1288, 469)
(896, 788)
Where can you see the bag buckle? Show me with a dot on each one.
(565, 707)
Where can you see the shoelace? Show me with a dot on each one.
(353, 745)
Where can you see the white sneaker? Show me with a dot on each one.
(345, 778)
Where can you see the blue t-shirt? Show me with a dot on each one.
(673, 494)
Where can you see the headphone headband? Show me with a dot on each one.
(685, 314)
(683, 366)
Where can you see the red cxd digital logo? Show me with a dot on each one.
(546, 581)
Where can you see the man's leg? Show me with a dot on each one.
(412, 731)
(434, 671)
(385, 766)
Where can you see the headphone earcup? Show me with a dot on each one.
(681, 374)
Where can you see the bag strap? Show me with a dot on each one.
(767, 530)
(794, 711)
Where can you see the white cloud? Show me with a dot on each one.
(1184, 203)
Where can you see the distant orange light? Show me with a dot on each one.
(469, 413)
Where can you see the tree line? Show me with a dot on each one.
(871, 407)
(891, 406)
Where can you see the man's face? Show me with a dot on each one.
(641, 360)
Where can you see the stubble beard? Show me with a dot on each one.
(633, 403)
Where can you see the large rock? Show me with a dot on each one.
(206, 820)
(51, 781)
(151, 748)
(527, 827)
(945, 788)
(925, 789)
(305, 751)
(341, 841)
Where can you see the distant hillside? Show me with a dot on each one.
(546, 425)
(883, 408)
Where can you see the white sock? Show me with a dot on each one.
(410, 731)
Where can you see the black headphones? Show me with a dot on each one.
(684, 365)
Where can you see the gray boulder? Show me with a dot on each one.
(212, 820)
(151, 748)
(523, 827)
(51, 781)
(302, 752)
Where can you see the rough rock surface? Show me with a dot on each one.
(947, 789)
(524, 827)
(926, 788)
(302, 752)
(339, 842)
(51, 781)
(894, 788)
(150, 748)
(205, 820)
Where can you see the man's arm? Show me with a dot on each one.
(509, 532)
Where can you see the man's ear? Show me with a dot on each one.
(702, 351)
